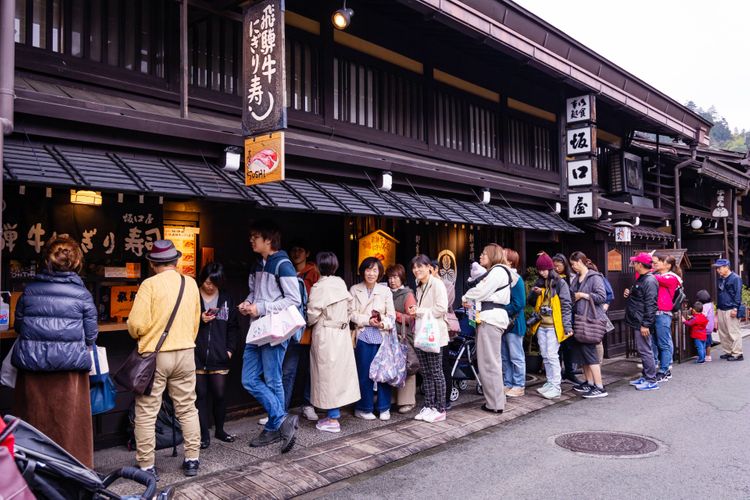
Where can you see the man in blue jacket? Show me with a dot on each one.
(273, 287)
(729, 300)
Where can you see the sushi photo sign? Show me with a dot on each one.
(264, 158)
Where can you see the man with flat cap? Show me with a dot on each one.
(167, 302)
(728, 301)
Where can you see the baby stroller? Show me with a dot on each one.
(462, 353)
(52, 473)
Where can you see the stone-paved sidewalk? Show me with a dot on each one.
(311, 467)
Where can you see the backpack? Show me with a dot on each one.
(610, 294)
(678, 298)
(302, 294)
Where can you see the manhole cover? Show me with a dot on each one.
(617, 444)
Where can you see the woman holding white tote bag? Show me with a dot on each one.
(431, 333)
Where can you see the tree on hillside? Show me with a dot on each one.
(721, 134)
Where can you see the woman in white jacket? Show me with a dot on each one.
(432, 300)
(491, 295)
(333, 372)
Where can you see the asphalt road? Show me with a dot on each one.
(701, 418)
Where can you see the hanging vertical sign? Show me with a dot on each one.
(580, 150)
(720, 203)
(264, 100)
(580, 109)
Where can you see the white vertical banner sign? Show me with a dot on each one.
(580, 152)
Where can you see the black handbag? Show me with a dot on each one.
(587, 327)
(137, 372)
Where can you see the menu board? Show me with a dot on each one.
(185, 240)
(121, 301)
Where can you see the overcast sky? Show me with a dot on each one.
(688, 49)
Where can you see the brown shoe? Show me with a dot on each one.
(516, 392)
(506, 389)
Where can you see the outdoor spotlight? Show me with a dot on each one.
(387, 182)
(637, 221)
(486, 196)
(558, 208)
(696, 223)
(342, 17)
(232, 158)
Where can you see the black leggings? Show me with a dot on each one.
(213, 384)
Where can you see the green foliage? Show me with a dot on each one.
(745, 295)
(721, 134)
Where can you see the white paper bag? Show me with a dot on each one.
(8, 372)
(103, 364)
(275, 328)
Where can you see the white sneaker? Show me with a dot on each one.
(385, 415)
(262, 420)
(364, 415)
(309, 413)
(424, 411)
(434, 416)
(552, 393)
(543, 389)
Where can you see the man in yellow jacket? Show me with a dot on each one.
(175, 362)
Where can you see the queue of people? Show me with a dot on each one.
(192, 330)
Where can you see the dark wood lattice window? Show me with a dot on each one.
(128, 34)
(302, 70)
(464, 125)
(531, 145)
(378, 98)
(215, 54)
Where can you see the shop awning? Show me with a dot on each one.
(75, 167)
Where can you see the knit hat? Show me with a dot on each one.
(544, 262)
(476, 270)
(703, 296)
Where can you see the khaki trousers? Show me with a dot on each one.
(175, 371)
(729, 333)
(489, 352)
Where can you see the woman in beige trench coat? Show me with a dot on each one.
(333, 372)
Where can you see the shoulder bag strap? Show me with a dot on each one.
(174, 313)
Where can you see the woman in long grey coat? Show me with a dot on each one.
(333, 372)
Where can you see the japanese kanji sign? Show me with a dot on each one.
(581, 205)
(378, 244)
(721, 202)
(580, 141)
(264, 100)
(121, 301)
(581, 172)
(264, 159)
(580, 109)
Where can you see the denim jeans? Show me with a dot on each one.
(661, 342)
(514, 360)
(261, 377)
(364, 353)
(334, 413)
(548, 348)
(296, 362)
(700, 345)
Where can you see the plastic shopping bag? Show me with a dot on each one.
(8, 372)
(275, 328)
(389, 364)
(426, 334)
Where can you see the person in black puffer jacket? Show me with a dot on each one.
(214, 347)
(56, 323)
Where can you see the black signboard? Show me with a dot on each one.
(264, 102)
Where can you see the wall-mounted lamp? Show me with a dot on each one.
(696, 223)
(342, 17)
(637, 221)
(386, 182)
(140, 199)
(120, 197)
(85, 197)
(22, 189)
(48, 192)
(666, 223)
(232, 158)
(558, 208)
(486, 196)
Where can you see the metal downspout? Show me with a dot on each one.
(736, 231)
(7, 95)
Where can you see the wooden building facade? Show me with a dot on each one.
(450, 98)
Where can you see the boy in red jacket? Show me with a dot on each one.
(697, 324)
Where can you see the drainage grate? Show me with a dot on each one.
(611, 444)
